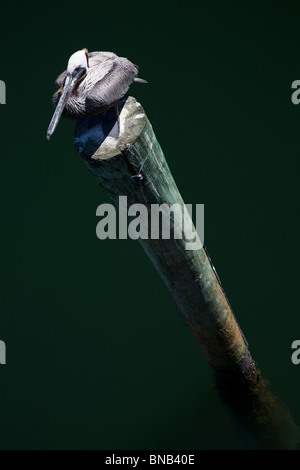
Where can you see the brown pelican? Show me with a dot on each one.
(92, 83)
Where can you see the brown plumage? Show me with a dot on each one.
(92, 83)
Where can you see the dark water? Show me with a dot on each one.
(98, 355)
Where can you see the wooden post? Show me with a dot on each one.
(133, 165)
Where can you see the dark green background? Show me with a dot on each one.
(98, 354)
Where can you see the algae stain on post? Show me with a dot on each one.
(2, 92)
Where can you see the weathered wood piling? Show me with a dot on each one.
(134, 165)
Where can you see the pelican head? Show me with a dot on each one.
(76, 71)
(78, 60)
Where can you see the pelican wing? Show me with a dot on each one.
(111, 80)
(99, 69)
(100, 55)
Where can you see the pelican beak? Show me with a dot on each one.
(70, 83)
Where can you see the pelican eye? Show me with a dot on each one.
(80, 71)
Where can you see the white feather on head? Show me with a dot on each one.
(78, 59)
